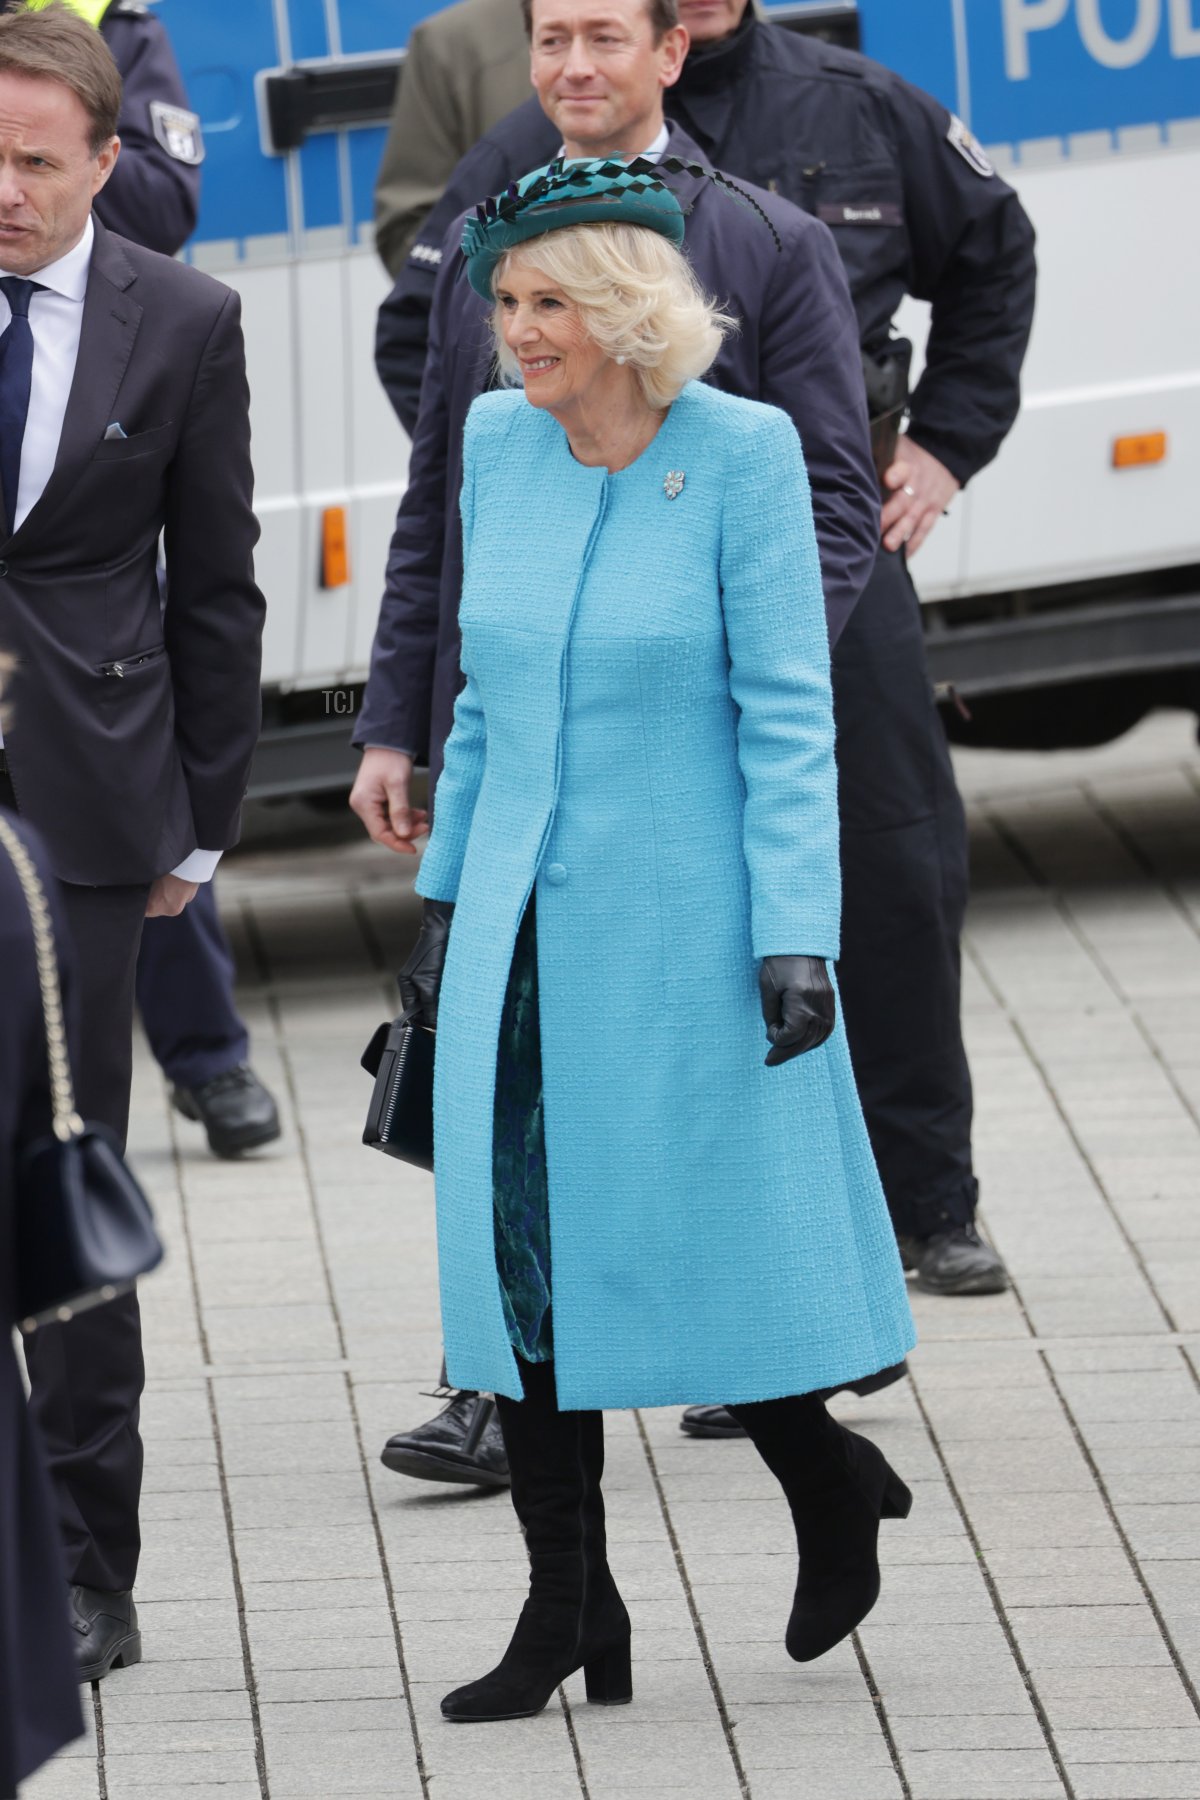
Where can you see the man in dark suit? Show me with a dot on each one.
(123, 418)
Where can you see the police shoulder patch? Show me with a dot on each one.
(969, 147)
(178, 131)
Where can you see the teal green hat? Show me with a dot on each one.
(603, 191)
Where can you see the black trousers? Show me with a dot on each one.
(904, 897)
(185, 977)
(87, 1376)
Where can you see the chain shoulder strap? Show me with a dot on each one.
(67, 1123)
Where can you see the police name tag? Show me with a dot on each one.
(860, 212)
(969, 147)
(178, 131)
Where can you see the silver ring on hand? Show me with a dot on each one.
(911, 492)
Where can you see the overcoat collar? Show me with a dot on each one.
(686, 187)
(111, 317)
(708, 90)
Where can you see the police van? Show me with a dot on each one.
(1073, 560)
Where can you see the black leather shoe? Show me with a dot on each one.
(955, 1261)
(235, 1110)
(463, 1444)
(719, 1422)
(106, 1632)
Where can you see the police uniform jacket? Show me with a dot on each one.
(153, 194)
(913, 203)
(797, 349)
(159, 707)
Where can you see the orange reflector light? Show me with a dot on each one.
(1137, 452)
(335, 557)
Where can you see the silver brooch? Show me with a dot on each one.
(673, 484)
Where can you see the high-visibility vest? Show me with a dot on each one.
(91, 10)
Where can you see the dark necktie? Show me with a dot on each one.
(16, 376)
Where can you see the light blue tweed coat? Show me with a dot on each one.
(646, 737)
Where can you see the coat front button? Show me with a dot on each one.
(556, 874)
(3, 568)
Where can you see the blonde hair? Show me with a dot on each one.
(638, 299)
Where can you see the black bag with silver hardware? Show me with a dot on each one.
(84, 1229)
(400, 1116)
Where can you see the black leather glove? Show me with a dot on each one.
(798, 1005)
(420, 979)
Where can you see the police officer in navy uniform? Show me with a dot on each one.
(915, 208)
(185, 969)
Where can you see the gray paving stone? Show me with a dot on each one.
(389, 1714)
(123, 1706)
(313, 1594)
(1151, 1781)
(343, 1762)
(769, 1737)
(379, 1681)
(829, 1784)
(969, 1731)
(126, 1735)
(121, 1784)
(162, 1772)
(1149, 1744)
(982, 1775)
(186, 1675)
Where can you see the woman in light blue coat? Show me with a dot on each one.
(634, 866)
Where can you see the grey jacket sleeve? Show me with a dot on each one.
(424, 144)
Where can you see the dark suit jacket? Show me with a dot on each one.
(124, 773)
(797, 349)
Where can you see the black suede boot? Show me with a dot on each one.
(839, 1486)
(574, 1617)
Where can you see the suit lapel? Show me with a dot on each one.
(111, 317)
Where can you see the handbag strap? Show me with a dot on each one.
(67, 1123)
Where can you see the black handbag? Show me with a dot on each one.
(84, 1228)
(400, 1116)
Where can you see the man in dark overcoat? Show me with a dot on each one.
(124, 418)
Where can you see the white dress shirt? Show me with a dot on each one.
(56, 321)
(654, 151)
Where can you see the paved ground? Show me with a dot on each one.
(1039, 1633)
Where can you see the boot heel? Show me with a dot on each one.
(897, 1498)
(130, 1653)
(609, 1677)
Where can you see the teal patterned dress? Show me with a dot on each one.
(520, 1197)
